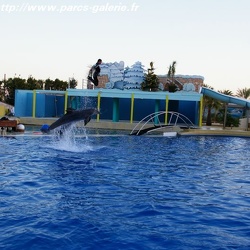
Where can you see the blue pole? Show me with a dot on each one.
(115, 109)
(157, 108)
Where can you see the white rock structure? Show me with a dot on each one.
(120, 78)
(134, 76)
(116, 76)
(189, 87)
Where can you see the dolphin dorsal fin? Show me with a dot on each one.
(70, 110)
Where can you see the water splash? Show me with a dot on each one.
(68, 139)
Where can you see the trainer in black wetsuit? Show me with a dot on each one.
(94, 72)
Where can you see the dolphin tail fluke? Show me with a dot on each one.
(87, 120)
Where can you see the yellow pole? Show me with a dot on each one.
(201, 111)
(34, 104)
(65, 101)
(166, 109)
(132, 107)
(98, 105)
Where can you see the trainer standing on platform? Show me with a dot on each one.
(94, 72)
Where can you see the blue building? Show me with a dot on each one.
(118, 97)
(116, 105)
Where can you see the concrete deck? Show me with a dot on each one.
(127, 126)
(217, 132)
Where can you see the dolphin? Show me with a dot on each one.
(73, 116)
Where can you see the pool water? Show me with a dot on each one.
(124, 192)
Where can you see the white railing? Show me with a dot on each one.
(175, 119)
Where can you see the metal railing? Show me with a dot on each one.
(175, 119)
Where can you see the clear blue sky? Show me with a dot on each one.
(63, 38)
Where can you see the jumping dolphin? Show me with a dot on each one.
(73, 116)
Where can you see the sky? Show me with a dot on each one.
(63, 38)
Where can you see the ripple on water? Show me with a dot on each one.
(124, 193)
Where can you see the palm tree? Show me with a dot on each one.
(243, 93)
(225, 92)
(171, 73)
(209, 104)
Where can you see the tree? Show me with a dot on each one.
(56, 84)
(227, 119)
(209, 104)
(32, 83)
(171, 73)
(60, 85)
(48, 84)
(226, 92)
(11, 85)
(243, 93)
(7, 92)
(1, 90)
(72, 83)
(230, 121)
(151, 80)
(40, 84)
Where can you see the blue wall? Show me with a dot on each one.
(52, 105)
(125, 108)
(82, 102)
(23, 103)
(188, 109)
(46, 105)
(40, 107)
(106, 108)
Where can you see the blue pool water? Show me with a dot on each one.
(124, 192)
